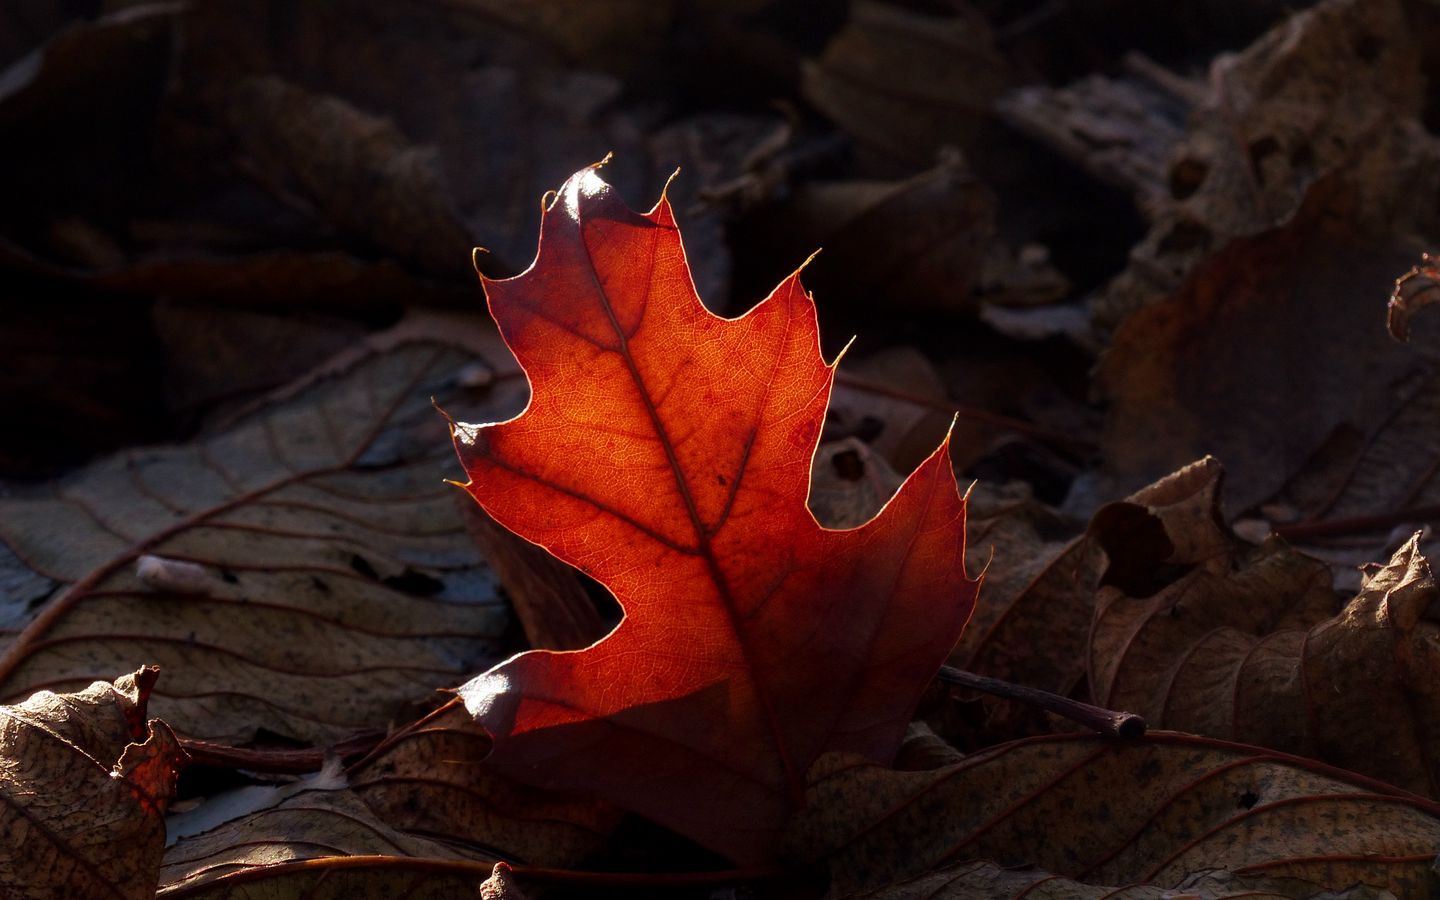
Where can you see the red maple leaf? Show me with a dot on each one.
(666, 452)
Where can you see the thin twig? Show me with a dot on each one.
(1105, 721)
(1357, 524)
(287, 762)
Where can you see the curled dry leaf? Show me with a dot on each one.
(1414, 291)
(666, 452)
(328, 579)
(1243, 645)
(84, 785)
(1163, 810)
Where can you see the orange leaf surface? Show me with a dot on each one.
(666, 452)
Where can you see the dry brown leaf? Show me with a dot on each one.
(1331, 91)
(304, 571)
(905, 83)
(1030, 622)
(85, 784)
(1225, 367)
(1243, 646)
(1161, 810)
(54, 119)
(324, 148)
(612, 36)
(915, 244)
(849, 482)
(988, 880)
(428, 780)
(553, 608)
(319, 844)
(1307, 173)
(501, 885)
(895, 402)
(1119, 129)
(216, 355)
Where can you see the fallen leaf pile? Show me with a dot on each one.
(1092, 392)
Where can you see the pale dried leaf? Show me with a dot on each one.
(84, 783)
(329, 577)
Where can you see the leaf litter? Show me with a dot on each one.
(1207, 202)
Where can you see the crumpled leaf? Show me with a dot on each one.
(303, 571)
(666, 452)
(1244, 646)
(1161, 810)
(84, 783)
(1331, 91)
(1315, 161)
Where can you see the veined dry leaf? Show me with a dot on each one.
(1041, 585)
(971, 880)
(84, 783)
(1243, 646)
(667, 452)
(1162, 810)
(319, 844)
(429, 780)
(421, 814)
(304, 571)
(904, 83)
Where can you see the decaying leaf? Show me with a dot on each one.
(307, 572)
(1306, 166)
(1332, 92)
(666, 452)
(1164, 810)
(84, 783)
(1242, 644)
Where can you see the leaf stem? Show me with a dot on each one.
(1096, 718)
